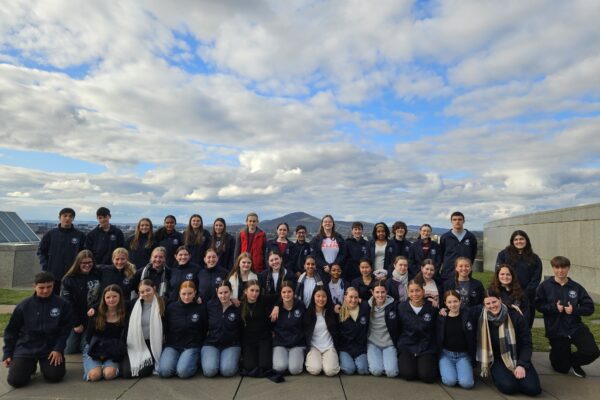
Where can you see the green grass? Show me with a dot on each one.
(12, 296)
(3, 322)
(485, 277)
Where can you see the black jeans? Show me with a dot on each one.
(506, 382)
(21, 369)
(257, 358)
(422, 367)
(561, 357)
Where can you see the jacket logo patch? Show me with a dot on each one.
(74, 240)
(469, 326)
(189, 276)
(433, 252)
(231, 317)
(363, 320)
(175, 242)
(468, 242)
(306, 252)
(195, 317)
(125, 281)
(572, 294)
(297, 313)
(218, 280)
(113, 237)
(473, 293)
(392, 315)
(427, 317)
(55, 312)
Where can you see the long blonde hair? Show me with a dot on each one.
(129, 268)
(344, 310)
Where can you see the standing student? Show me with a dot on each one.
(252, 240)
(309, 280)
(526, 264)
(185, 328)
(397, 286)
(196, 239)
(456, 330)
(183, 270)
(81, 288)
(121, 273)
(457, 242)
(239, 275)
(271, 278)
(257, 346)
(104, 238)
(320, 331)
(210, 277)
(421, 249)
(364, 284)
(169, 238)
(282, 245)
(221, 350)
(383, 333)
(336, 285)
(328, 247)
(417, 346)
(378, 250)
(104, 334)
(357, 249)
(506, 284)
(141, 243)
(157, 271)
(36, 334)
(299, 251)
(353, 330)
(223, 243)
(397, 245)
(563, 302)
(504, 348)
(59, 247)
(289, 343)
(144, 332)
(470, 289)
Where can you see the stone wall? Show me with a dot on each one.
(571, 232)
(18, 264)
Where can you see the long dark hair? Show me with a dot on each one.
(244, 303)
(385, 228)
(135, 242)
(213, 243)
(513, 254)
(515, 291)
(161, 233)
(191, 238)
(103, 308)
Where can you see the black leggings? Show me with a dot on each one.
(422, 367)
(561, 357)
(21, 369)
(257, 358)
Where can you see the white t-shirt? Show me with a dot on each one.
(330, 248)
(321, 339)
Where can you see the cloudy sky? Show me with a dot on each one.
(366, 110)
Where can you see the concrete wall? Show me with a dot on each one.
(571, 232)
(18, 264)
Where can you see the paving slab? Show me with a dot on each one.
(367, 387)
(569, 387)
(300, 387)
(198, 387)
(543, 367)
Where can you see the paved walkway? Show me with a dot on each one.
(303, 387)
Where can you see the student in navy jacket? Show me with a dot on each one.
(357, 249)
(221, 350)
(210, 277)
(81, 288)
(470, 289)
(196, 239)
(185, 328)
(421, 249)
(141, 243)
(397, 285)
(223, 243)
(364, 284)
(328, 247)
(271, 278)
(563, 302)
(417, 346)
(456, 329)
(104, 238)
(336, 285)
(289, 343)
(397, 245)
(121, 273)
(506, 284)
(59, 247)
(299, 251)
(383, 332)
(281, 245)
(457, 242)
(309, 280)
(183, 270)
(169, 238)
(157, 271)
(526, 264)
(37, 333)
(378, 253)
(353, 330)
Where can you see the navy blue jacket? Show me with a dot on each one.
(523, 335)
(288, 330)
(155, 276)
(417, 331)
(321, 278)
(197, 251)
(522, 303)
(267, 286)
(317, 253)
(298, 254)
(356, 250)
(170, 242)
(179, 274)
(140, 256)
(226, 259)
(58, 248)
(364, 290)
(102, 244)
(37, 327)
(416, 256)
(528, 274)
(476, 292)
(224, 328)
(394, 249)
(469, 319)
(286, 261)
(185, 325)
(83, 292)
(392, 289)
(310, 320)
(110, 275)
(352, 335)
(560, 325)
(451, 249)
(208, 280)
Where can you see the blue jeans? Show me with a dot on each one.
(89, 364)
(350, 365)
(214, 360)
(75, 343)
(184, 364)
(456, 368)
(382, 359)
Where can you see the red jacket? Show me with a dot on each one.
(258, 248)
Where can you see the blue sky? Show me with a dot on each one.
(404, 111)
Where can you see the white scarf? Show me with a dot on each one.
(235, 283)
(139, 355)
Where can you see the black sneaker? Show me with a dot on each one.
(578, 371)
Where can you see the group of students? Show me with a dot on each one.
(384, 307)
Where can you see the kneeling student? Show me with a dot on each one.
(37, 333)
